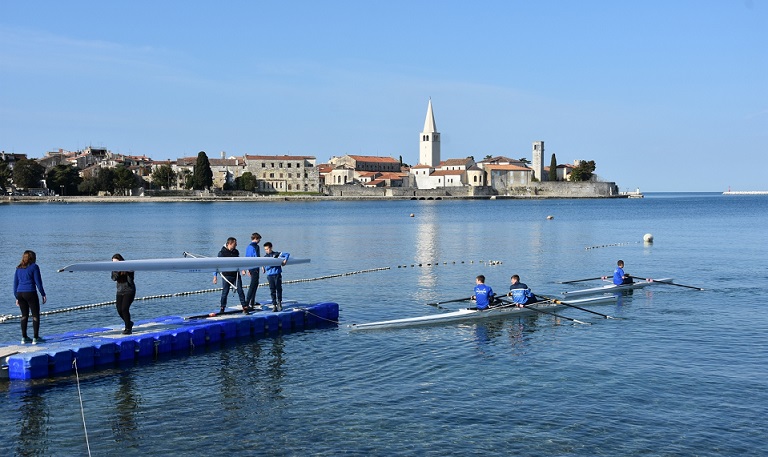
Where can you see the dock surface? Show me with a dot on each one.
(101, 348)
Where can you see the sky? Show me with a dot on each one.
(664, 95)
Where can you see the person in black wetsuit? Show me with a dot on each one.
(126, 292)
(231, 278)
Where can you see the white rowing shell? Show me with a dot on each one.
(183, 264)
(611, 288)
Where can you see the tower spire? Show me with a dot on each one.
(429, 144)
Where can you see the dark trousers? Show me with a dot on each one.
(123, 305)
(226, 286)
(276, 287)
(250, 299)
(29, 302)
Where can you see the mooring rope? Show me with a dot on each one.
(82, 410)
(8, 317)
(192, 292)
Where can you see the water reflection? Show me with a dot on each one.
(33, 429)
(127, 403)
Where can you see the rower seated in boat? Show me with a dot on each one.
(520, 292)
(619, 277)
(483, 294)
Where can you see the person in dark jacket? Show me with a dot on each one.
(253, 251)
(27, 282)
(126, 292)
(231, 278)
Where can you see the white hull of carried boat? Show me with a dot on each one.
(613, 288)
(468, 314)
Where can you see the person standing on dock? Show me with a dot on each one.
(27, 282)
(231, 278)
(520, 292)
(253, 251)
(483, 294)
(126, 292)
(275, 276)
(619, 277)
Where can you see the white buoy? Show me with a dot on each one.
(549, 218)
(648, 238)
(411, 214)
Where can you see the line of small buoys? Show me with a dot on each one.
(610, 245)
(435, 264)
(181, 294)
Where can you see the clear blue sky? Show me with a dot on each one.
(662, 95)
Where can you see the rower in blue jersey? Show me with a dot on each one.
(619, 277)
(483, 294)
(521, 294)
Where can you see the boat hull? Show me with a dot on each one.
(612, 288)
(468, 314)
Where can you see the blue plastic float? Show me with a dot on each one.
(102, 348)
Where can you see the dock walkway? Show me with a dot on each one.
(101, 348)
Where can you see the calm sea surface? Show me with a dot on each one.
(686, 373)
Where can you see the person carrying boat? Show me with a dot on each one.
(619, 277)
(26, 283)
(126, 292)
(483, 294)
(275, 276)
(253, 251)
(231, 278)
(521, 294)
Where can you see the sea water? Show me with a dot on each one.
(683, 373)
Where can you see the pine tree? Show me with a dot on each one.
(202, 177)
(553, 168)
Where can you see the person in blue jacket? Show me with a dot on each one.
(253, 251)
(619, 277)
(275, 276)
(520, 292)
(483, 294)
(27, 282)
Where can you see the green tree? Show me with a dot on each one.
(488, 157)
(64, 178)
(28, 173)
(5, 175)
(164, 176)
(105, 180)
(202, 176)
(583, 171)
(553, 168)
(525, 161)
(124, 180)
(246, 182)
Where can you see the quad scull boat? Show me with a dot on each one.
(469, 314)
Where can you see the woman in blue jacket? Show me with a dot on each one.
(26, 284)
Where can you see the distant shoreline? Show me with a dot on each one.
(270, 198)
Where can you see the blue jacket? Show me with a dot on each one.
(483, 296)
(253, 251)
(26, 279)
(618, 276)
(276, 270)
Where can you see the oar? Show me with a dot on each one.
(580, 280)
(668, 283)
(545, 312)
(449, 301)
(578, 307)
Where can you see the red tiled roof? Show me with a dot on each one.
(374, 159)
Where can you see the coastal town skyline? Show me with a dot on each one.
(656, 95)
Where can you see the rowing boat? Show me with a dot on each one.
(470, 314)
(613, 288)
(184, 264)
